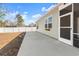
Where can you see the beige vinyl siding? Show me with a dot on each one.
(41, 23)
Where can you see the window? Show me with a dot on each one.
(48, 24)
(45, 25)
(37, 27)
(50, 20)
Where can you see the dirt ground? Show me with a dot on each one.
(5, 38)
(10, 43)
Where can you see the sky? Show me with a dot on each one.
(30, 12)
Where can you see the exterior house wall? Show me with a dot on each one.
(41, 23)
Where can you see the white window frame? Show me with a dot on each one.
(47, 19)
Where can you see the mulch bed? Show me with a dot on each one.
(12, 48)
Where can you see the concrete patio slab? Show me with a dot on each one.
(37, 44)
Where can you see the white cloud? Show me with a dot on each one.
(11, 15)
(24, 16)
(28, 20)
(44, 9)
(36, 15)
(34, 18)
(51, 7)
(15, 13)
(25, 12)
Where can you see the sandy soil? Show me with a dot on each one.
(5, 38)
(10, 43)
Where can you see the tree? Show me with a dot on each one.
(2, 15)
(20, 20)
(6, 23)
(2, 11)
(1, 22)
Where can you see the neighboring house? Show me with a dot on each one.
(9, 23)
(32, 25)
(62, 23)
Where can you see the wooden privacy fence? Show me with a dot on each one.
(17, 29)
